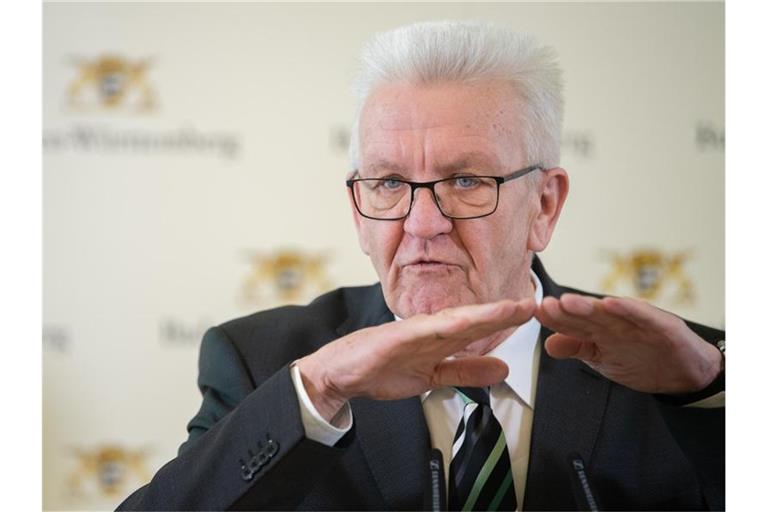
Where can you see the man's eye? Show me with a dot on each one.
(466, 182)
(391, 184)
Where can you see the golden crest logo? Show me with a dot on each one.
(108, 471)
(111, 82)
(285, 276)
(649, 274)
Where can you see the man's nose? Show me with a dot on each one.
(425, 220)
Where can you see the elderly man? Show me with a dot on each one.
(538, 397)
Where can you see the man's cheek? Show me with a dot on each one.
(364, 236)
(365, 244)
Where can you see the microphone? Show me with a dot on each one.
(585, 499)
(434, 493)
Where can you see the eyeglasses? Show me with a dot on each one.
(460, 197)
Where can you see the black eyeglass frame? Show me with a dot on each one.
(431, 186)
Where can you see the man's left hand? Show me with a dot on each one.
(630, 342)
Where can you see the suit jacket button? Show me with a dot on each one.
(271, 448)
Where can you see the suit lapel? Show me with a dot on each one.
(568, 412)
(395, 440)
(393, 435)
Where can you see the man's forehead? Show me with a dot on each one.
(446, 127)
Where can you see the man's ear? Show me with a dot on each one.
(362, 236)
(551, 192)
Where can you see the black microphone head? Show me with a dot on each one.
(434, 493)
(582, 492)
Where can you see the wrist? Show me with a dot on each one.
(328, 401)
(714, 366)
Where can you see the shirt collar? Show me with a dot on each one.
(518, 351)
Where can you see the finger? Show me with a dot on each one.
(592, 310)
(457, 327)
(504, 310)
(641, 313)
(501, 315)
(561, 346)
(470, 371)
(551, 314)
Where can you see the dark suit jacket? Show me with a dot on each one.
(247, 449)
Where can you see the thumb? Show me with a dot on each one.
(562, 346)
(473, 371)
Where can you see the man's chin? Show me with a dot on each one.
(428, 298)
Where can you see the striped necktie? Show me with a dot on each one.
(480, 475)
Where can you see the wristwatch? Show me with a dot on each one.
(721, 347)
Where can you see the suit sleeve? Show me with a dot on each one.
(700, 432)
(246, 447)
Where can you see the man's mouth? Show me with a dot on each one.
(427, 264)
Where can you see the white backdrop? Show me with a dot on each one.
(214, 188)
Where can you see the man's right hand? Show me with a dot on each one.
(406, 358)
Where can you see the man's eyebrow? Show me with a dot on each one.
(384, 166)
(457, 167)
(471, 160)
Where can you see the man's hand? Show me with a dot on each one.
(630, 342)
(406, 358)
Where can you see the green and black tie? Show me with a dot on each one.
(480, 475)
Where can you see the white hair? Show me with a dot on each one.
(465, 51)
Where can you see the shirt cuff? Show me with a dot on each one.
(315, 426)
(711, 402)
